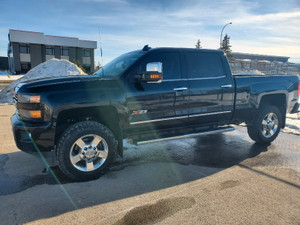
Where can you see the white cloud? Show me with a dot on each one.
(127, 25)
(273, 33)
(267, 18)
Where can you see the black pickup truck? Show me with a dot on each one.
(147, 95)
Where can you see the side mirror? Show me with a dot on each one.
(153, 73)
(154, 67)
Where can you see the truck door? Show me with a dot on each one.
(211, 89)
(159, 104)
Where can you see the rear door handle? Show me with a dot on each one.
(226, 86)
(180, 89)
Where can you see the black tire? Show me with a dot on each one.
(265, 134)
(89, 142)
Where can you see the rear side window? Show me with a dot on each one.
(170, 61)
(204, 65)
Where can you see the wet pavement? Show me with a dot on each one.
(217, 151)
(3, 85)
(143, 169)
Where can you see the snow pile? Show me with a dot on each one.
(53, 68)
(292, 123)
(49, 69)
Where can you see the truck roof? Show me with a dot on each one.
(146, 48)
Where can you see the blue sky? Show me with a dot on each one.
(261, 27)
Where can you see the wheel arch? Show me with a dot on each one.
(260, 129)
(106, 115)
(278, 100)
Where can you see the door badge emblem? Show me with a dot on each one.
(139, 112)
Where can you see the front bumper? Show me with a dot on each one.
(35, 138)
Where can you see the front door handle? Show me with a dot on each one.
(226, 86)
(180, 89)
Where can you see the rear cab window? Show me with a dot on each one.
(204, 65)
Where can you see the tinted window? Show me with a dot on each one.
(24, 48)
(86, 53)
(49, 50)
(120, 64)
(64, 51)
(170, 64)
(204, 65)
(25, 67)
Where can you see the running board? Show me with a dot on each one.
(220, 130)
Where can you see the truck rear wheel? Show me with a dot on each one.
(85, 149)
(266, 127)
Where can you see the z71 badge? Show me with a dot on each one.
(139, 112)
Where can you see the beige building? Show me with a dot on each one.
(28, 49)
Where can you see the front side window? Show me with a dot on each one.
(170, 64)
(204, 65)
(49, 50)
(64, 51)
(24, 48)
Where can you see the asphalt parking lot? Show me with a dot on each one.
(216, 179)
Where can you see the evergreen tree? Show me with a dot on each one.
(226, 47)
(198, 44)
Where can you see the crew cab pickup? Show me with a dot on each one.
(148, 95)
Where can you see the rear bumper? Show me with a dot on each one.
(35, 139)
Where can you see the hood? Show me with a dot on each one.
(57, 80)
(62, 84)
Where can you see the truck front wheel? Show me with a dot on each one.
(266, 126)
(85, 149)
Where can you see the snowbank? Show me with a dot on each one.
(49, 69)
(292, 123)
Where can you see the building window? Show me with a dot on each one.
(87, 68)
(25, 67)
(64, 51)
(24, 48)
(87, 53)
(49, 50)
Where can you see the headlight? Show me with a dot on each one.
(29, 98)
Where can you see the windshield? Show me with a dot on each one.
(116, 67)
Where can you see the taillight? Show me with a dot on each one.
(299, 89)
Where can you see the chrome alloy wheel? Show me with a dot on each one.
(269, 125)
(88, 153)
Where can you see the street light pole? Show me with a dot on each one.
(222, 33)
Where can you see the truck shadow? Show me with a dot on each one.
(143, 169)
